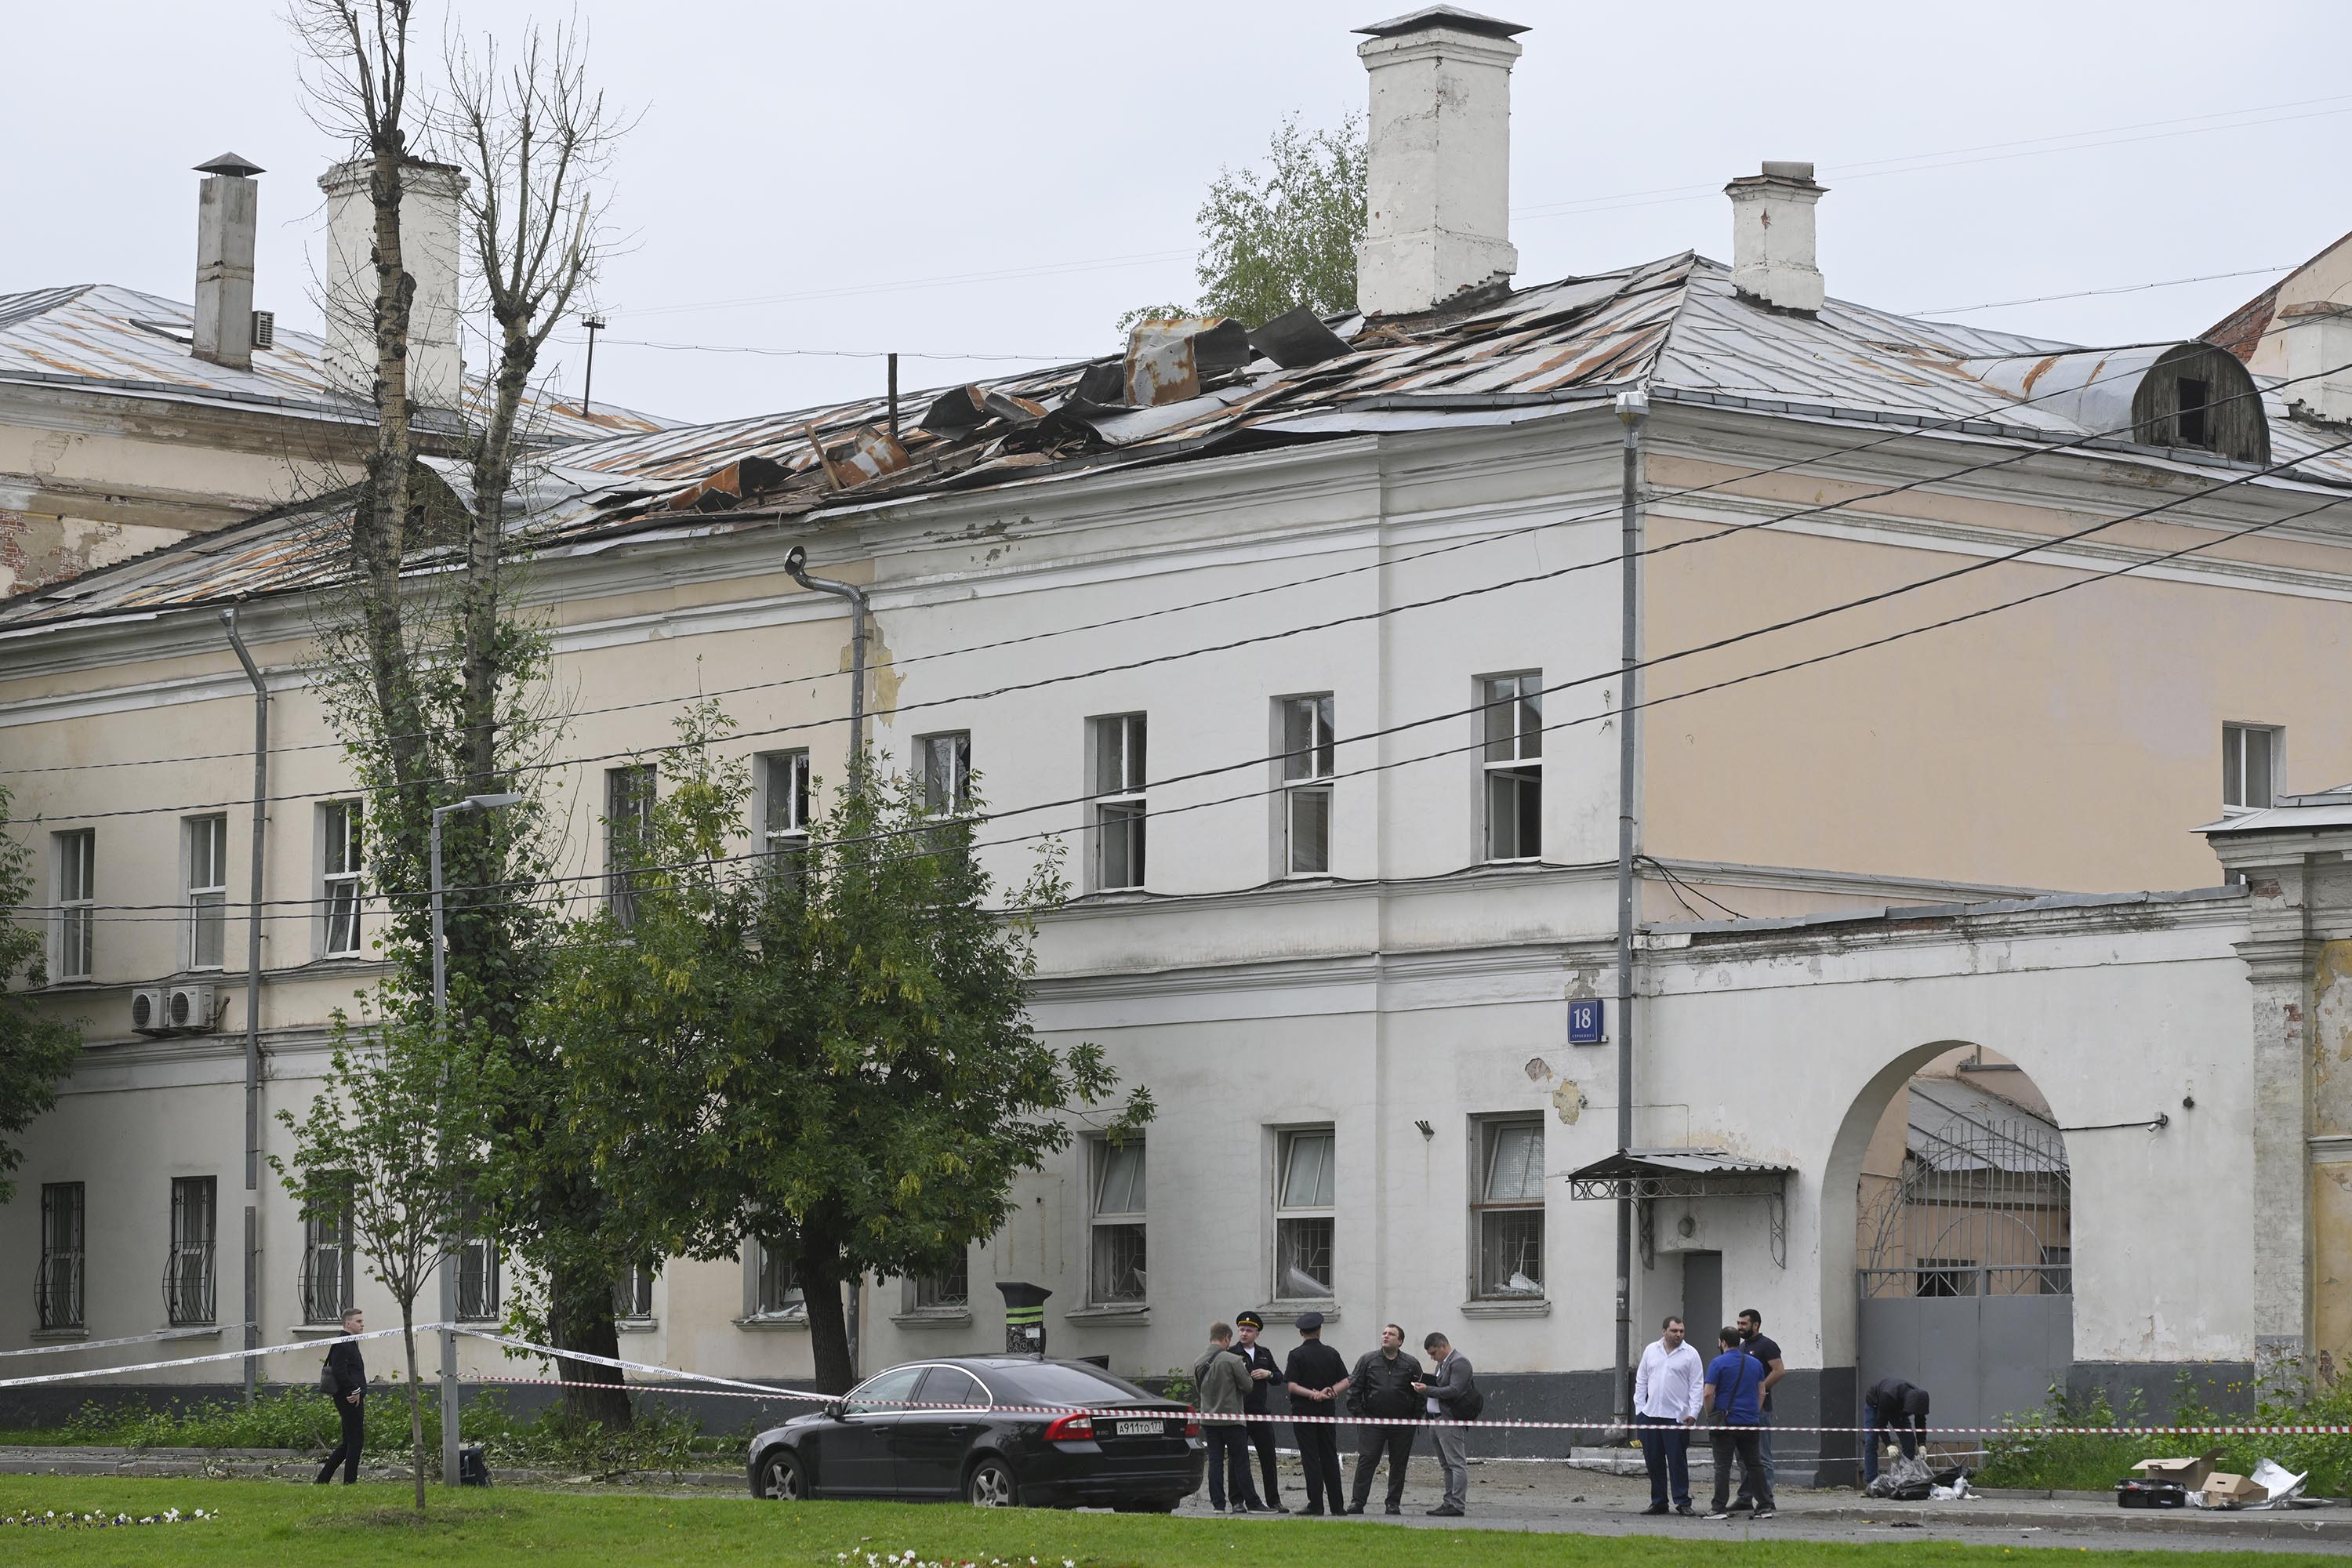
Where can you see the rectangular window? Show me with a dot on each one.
(945, 1291)
(1308, 760)
(628, 814)
(338, 877)
(478, 1278)
(1509, 1213)
(944, 764)
(207, 867)
(784, 809)
(632, 1294)
(775, 1291)
(1119, 746)
(77, 862)
(188, 1267)
(1118, 1270)
(328, 1262)
(2196, 399)
(1304, 1215)
(1512, 729)
(2249, 765)
(60, 1281)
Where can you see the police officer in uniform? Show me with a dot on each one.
(1266, 1376)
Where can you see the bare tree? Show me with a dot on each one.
(359, 89)
(535, 140)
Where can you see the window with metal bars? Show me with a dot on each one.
(77, 863)
(328, 1267)
(1306, 1220)
(784, 811)
(1309, 758)
(947, 1290)
(59, 1284)
(1511, 725)
(188, 1265)
(1509, 1213)
(1118, 1262)
(207, 867)
(1118, 809)
(478, 1278)
(628, 816)
(338, 877)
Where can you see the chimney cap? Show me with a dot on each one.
(1430, 18)
(230, 163)
(1777, 172)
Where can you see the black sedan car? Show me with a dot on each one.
(936, 1430)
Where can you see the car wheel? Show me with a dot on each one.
(990, 1485)
(781, 1477)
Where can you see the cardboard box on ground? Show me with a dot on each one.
(2225, 1490)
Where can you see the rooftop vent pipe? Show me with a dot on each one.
(227, 213)
(1772, 258)
(1438, 159)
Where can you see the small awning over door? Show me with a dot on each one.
(1647, 1174)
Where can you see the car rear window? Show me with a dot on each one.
(1051, 1384)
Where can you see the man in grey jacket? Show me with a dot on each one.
(1447, 1385)
(1221, 1383)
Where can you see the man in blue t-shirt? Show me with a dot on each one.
(1732, 1402)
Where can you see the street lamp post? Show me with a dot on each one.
(441, 1029)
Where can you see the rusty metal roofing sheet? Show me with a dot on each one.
(1675, 326)
(101, 337)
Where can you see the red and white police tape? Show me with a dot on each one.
(677, 1380)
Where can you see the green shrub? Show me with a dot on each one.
(2027, 1455)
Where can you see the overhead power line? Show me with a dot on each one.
(1613, 672)
(2091, 293)
(1898, 434)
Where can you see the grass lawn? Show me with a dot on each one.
(272, 1522)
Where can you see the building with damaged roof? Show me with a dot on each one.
(129, 421)
(1308, 639)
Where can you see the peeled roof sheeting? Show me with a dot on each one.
(1675, 326)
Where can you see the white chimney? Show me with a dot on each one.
(2317, 337)
(1772, 260)
(429, 203)
(1438, 220)
(228, 212)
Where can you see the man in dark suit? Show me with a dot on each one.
(345, 1380)
(1447, 1388)
(1265, 1373)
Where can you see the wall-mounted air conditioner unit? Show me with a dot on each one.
(151, 1010)
(192, 1009)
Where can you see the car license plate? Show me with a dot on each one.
(1142, 1428)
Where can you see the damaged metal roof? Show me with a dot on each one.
(1186, 389)
(97, 336)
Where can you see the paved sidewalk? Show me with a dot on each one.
(1525, 1494)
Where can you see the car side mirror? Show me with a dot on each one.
(834, 1409)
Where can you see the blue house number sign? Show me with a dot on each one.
(1586, 1017)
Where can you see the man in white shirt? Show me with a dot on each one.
(1666, 1388)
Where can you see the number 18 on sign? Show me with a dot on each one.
(1587, 1017)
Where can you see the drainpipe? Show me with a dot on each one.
(861, 618)
(253, 1006)
(1632, 410)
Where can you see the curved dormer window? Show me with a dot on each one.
(2198, 396)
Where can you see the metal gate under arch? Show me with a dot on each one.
(1966, 1258)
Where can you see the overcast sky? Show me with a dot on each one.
(844, 177)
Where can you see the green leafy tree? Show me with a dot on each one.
(826, 1050)
(35, 1051)
(392, 1141)
(1284, 235)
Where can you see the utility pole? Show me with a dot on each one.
(1632, 410)
(588, 386)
